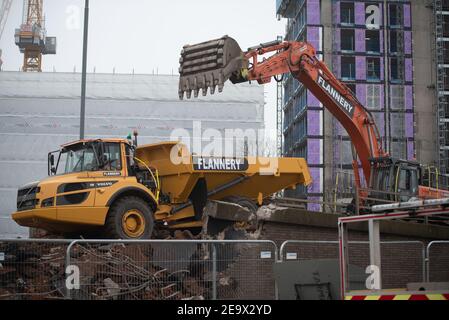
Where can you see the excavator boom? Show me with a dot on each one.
(218, 63)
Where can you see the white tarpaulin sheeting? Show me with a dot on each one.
(40, 111)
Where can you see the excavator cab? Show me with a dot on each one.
(394, 179)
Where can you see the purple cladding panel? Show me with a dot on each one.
(411, 150)
(312, 101)
(408, 92)
(314, 207)
(407, 16)
(382, 98)
(313, 151)
(409, 127)
(381, 9)
(360, 68)
(313, 37)
(408, 69)
(313, 12)
(381, 39)
(316, 180)
(408, 42)
(360, 41)
(382, 68)
(362, 176)
(361, 93)
(336, 12)
(359, 10)
(313, 123)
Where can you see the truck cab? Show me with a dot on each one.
(92, 184)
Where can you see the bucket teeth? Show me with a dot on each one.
(208, 65)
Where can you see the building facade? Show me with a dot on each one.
(370, 46)
(441, 13)
(40, 111)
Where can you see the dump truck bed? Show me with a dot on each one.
(249, 177)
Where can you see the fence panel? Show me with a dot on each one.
(438, 261)
(32, 269)
(402, 261)
(178, 269)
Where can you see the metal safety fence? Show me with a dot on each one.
(190, 269)
(402, 261)
(437, 253)
(32, 268)
(137, 270)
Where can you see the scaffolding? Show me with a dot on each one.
(442, 93)
(401, 152)
(279, 117)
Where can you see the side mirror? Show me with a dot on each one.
(51, 164)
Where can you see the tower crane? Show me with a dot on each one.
(31, 37)
(5, 6)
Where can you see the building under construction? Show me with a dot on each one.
(377, 48)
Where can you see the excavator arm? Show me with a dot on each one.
(210, 64)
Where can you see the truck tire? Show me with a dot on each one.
(129, 218)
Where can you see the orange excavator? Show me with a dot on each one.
(210, 64)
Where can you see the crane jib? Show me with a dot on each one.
(337, 97)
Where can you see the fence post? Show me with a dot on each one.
(68, 292)
(428, 255)
(214, 272)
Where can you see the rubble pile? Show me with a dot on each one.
(31, 270)
(115, 271)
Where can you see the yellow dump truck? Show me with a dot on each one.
(116, 189)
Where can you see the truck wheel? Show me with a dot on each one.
(129, 218)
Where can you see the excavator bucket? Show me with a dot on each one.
(209, 65)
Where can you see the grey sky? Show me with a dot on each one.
(146, 35)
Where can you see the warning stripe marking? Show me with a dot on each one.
(414, 297)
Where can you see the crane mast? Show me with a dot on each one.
(31, 37)
(4, 11)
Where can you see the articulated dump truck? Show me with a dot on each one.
(113, 188)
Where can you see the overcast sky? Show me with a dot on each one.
(145, 35)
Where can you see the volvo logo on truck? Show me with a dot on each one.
(337, 97)
(219, 164)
